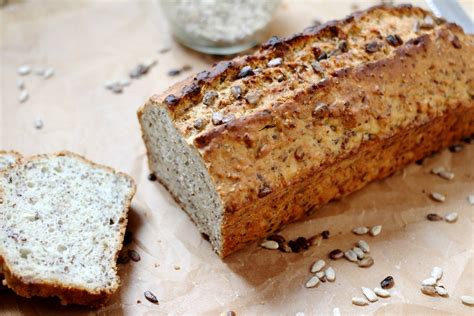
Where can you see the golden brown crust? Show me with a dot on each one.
(68, 294)
(318, 120)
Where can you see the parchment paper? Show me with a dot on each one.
(90, 42)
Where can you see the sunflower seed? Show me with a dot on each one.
(350, 255)
(134, 255)
(362, 230)
(20, 84)
(150, 63)
(336, 311)
(48, 73)
(109, 84)
(321, 276)
(468, 300)
(269, 244)
(318, 266)
(312, 282)
(336, 254)
(330, 274)
(359, 301)
(437, 170)
(124, 82)
(245, 72)
(39, 123)
(252, 97)
(438, 197)
(23, 70)
(470, 199)
(366, 262)
(284, 247)
(434, 217)
(456, 148)
(278, 238)
(369, 294)
(362, 244)
(236, 91)
(437, 273)
(447, 175)
(274, 62)
(39, 72)
(428, 282)
(451, 217)
(375, 230)
(381, 292)
(151, 297)
(360, 254)
(24, 95)
(441, 290)
(315, 240)
(210, 97)
(117, 88)
(428, 290)
(387, 282)
(325, 234)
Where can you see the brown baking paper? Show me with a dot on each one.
(88, 43)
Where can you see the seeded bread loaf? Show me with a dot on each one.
(262, 140)
(62, 222)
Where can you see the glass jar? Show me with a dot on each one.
(219, 27)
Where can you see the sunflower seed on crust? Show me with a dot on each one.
(441, 290)
(362, 230)
(428, 290)
(318, 266)
(350, 255)
(360, 254)
(428, 282)
(437, 273)
(362, 244)
(468, 300)
(438, 197)
(375, 230)
(451, 217)
(359, 301)
(381, 292)
(330, 274)
(366, 262)
(269, 244)
(312, 282)
(369, 294)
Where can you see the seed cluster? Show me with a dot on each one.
(321, 273)
(431, 286)
(362, 230)
(276, 241)
(370, 295)
(117, 86)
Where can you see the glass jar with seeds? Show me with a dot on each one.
(219, 26)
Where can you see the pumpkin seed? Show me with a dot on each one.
(318, 266)
(428, 290)
(359, 301)
(366, 262)
(312, 282)
(350, 255)
(375, 230)
(468, 300)
(330, 274)
(269, 244)
(437, 273)
(438, 197)
(362, 244)
(451, 217)
(369, 294)
(362, 230)
(381, 292)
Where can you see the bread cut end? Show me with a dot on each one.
(62, 221)
(180, 168)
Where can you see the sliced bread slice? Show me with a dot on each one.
(62, 223)
(8, 158)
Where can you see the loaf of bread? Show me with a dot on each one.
(62, 223)
(261, 140)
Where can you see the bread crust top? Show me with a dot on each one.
(367, 86)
